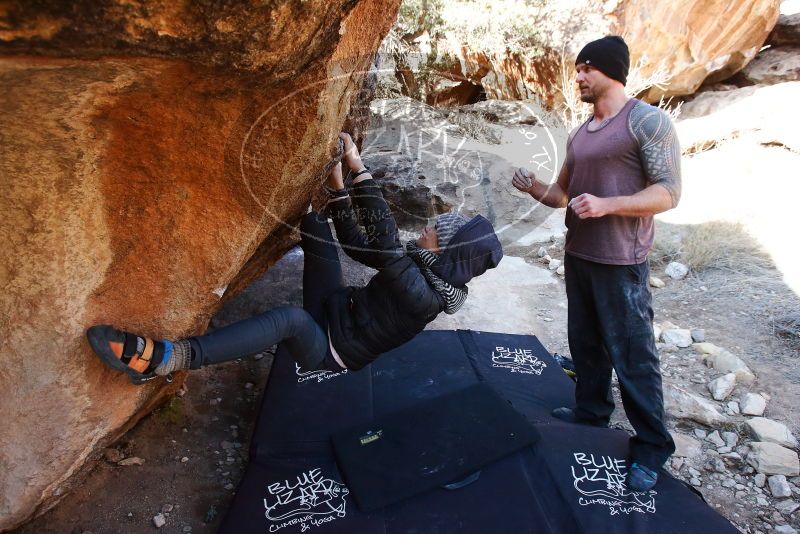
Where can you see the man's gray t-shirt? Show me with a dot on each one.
(635, 149)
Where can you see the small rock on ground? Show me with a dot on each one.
(683, 404)
(686, 446)
(787, 508)
(732, 408)
(730, 438)
(752, 404)
(779, 486)
(707, 348)
(133, 460)
(113, 456)
(715, 438)
(725, 362)
(722, 387)
(676, 270)
(764, 429)
(772, 459)
(677, 336)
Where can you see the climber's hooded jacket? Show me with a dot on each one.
(397, 302)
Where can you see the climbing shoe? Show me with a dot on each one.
(141, 358)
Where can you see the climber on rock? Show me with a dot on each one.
(338, 327)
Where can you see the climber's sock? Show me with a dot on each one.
(177, 355)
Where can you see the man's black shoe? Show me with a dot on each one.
(641, 478)
(568, 415)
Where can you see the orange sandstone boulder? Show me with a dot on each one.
(154, 158)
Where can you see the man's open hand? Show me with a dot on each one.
(588, 206)
(523, 179)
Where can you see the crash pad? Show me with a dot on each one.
(570, 480)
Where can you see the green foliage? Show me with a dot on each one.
(509, 25)
(426, 31)
(500, 25)
(418, 16)
(172, 412)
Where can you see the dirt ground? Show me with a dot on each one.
(737, 316)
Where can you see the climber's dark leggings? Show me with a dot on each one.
(302, 331)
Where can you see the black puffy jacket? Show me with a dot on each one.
(397, 303)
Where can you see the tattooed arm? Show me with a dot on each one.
(659, 149)
(660, 155)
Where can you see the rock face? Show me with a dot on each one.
(154, 159)
(775, 65)
(694, 41)
(687, 41)
(787, 30)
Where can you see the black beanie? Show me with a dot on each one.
(609, 55)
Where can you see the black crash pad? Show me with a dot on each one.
(442, 441)
(586, 467)
(293, 483)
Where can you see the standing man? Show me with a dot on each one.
(622, 167)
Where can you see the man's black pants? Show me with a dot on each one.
(611, 327)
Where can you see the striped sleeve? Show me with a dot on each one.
(454, 297)
(427, 257)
